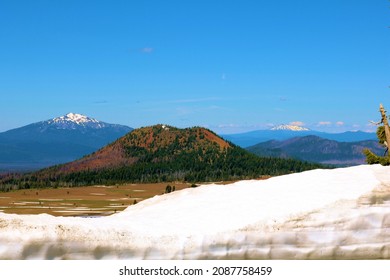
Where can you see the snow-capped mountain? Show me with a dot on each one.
(58, 140)
(290, 127)
(74, 121)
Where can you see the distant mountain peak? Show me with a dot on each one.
(290, 127)
(76, 118)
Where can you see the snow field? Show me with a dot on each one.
(318, 214)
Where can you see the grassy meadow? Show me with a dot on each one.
(81, 201)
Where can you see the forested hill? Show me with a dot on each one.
(316, 149)
(161, 153)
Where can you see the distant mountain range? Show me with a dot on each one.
(72, 136)
(161, 153)
(317, 149)
(285, 132)
(55, 141)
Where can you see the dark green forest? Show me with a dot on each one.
(166, 165)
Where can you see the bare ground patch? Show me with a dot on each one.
(81, 201)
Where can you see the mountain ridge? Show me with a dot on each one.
(55, 141)
(316, 149)
(254, 137)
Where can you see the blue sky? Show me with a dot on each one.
(232, 66)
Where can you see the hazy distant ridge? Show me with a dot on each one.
(317, 149)
(254, 137)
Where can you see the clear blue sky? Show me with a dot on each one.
(229, 65)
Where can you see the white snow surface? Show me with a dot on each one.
(74, 120)
(290, 127)
(320, 214)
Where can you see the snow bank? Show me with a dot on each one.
(321, 214)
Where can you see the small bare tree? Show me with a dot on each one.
(384, 121)
(383, 133)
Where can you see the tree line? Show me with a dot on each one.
(203, 164)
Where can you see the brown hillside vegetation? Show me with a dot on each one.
(161, 136)
(123, 151)
(110, 156)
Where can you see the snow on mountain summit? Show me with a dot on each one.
(290, 127)
(76, 118)
(73, 121)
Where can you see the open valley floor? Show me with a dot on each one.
(81, 201)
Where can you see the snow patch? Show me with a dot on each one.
(290, 127)
(318, 214)
(72, 120)
(76, 118)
